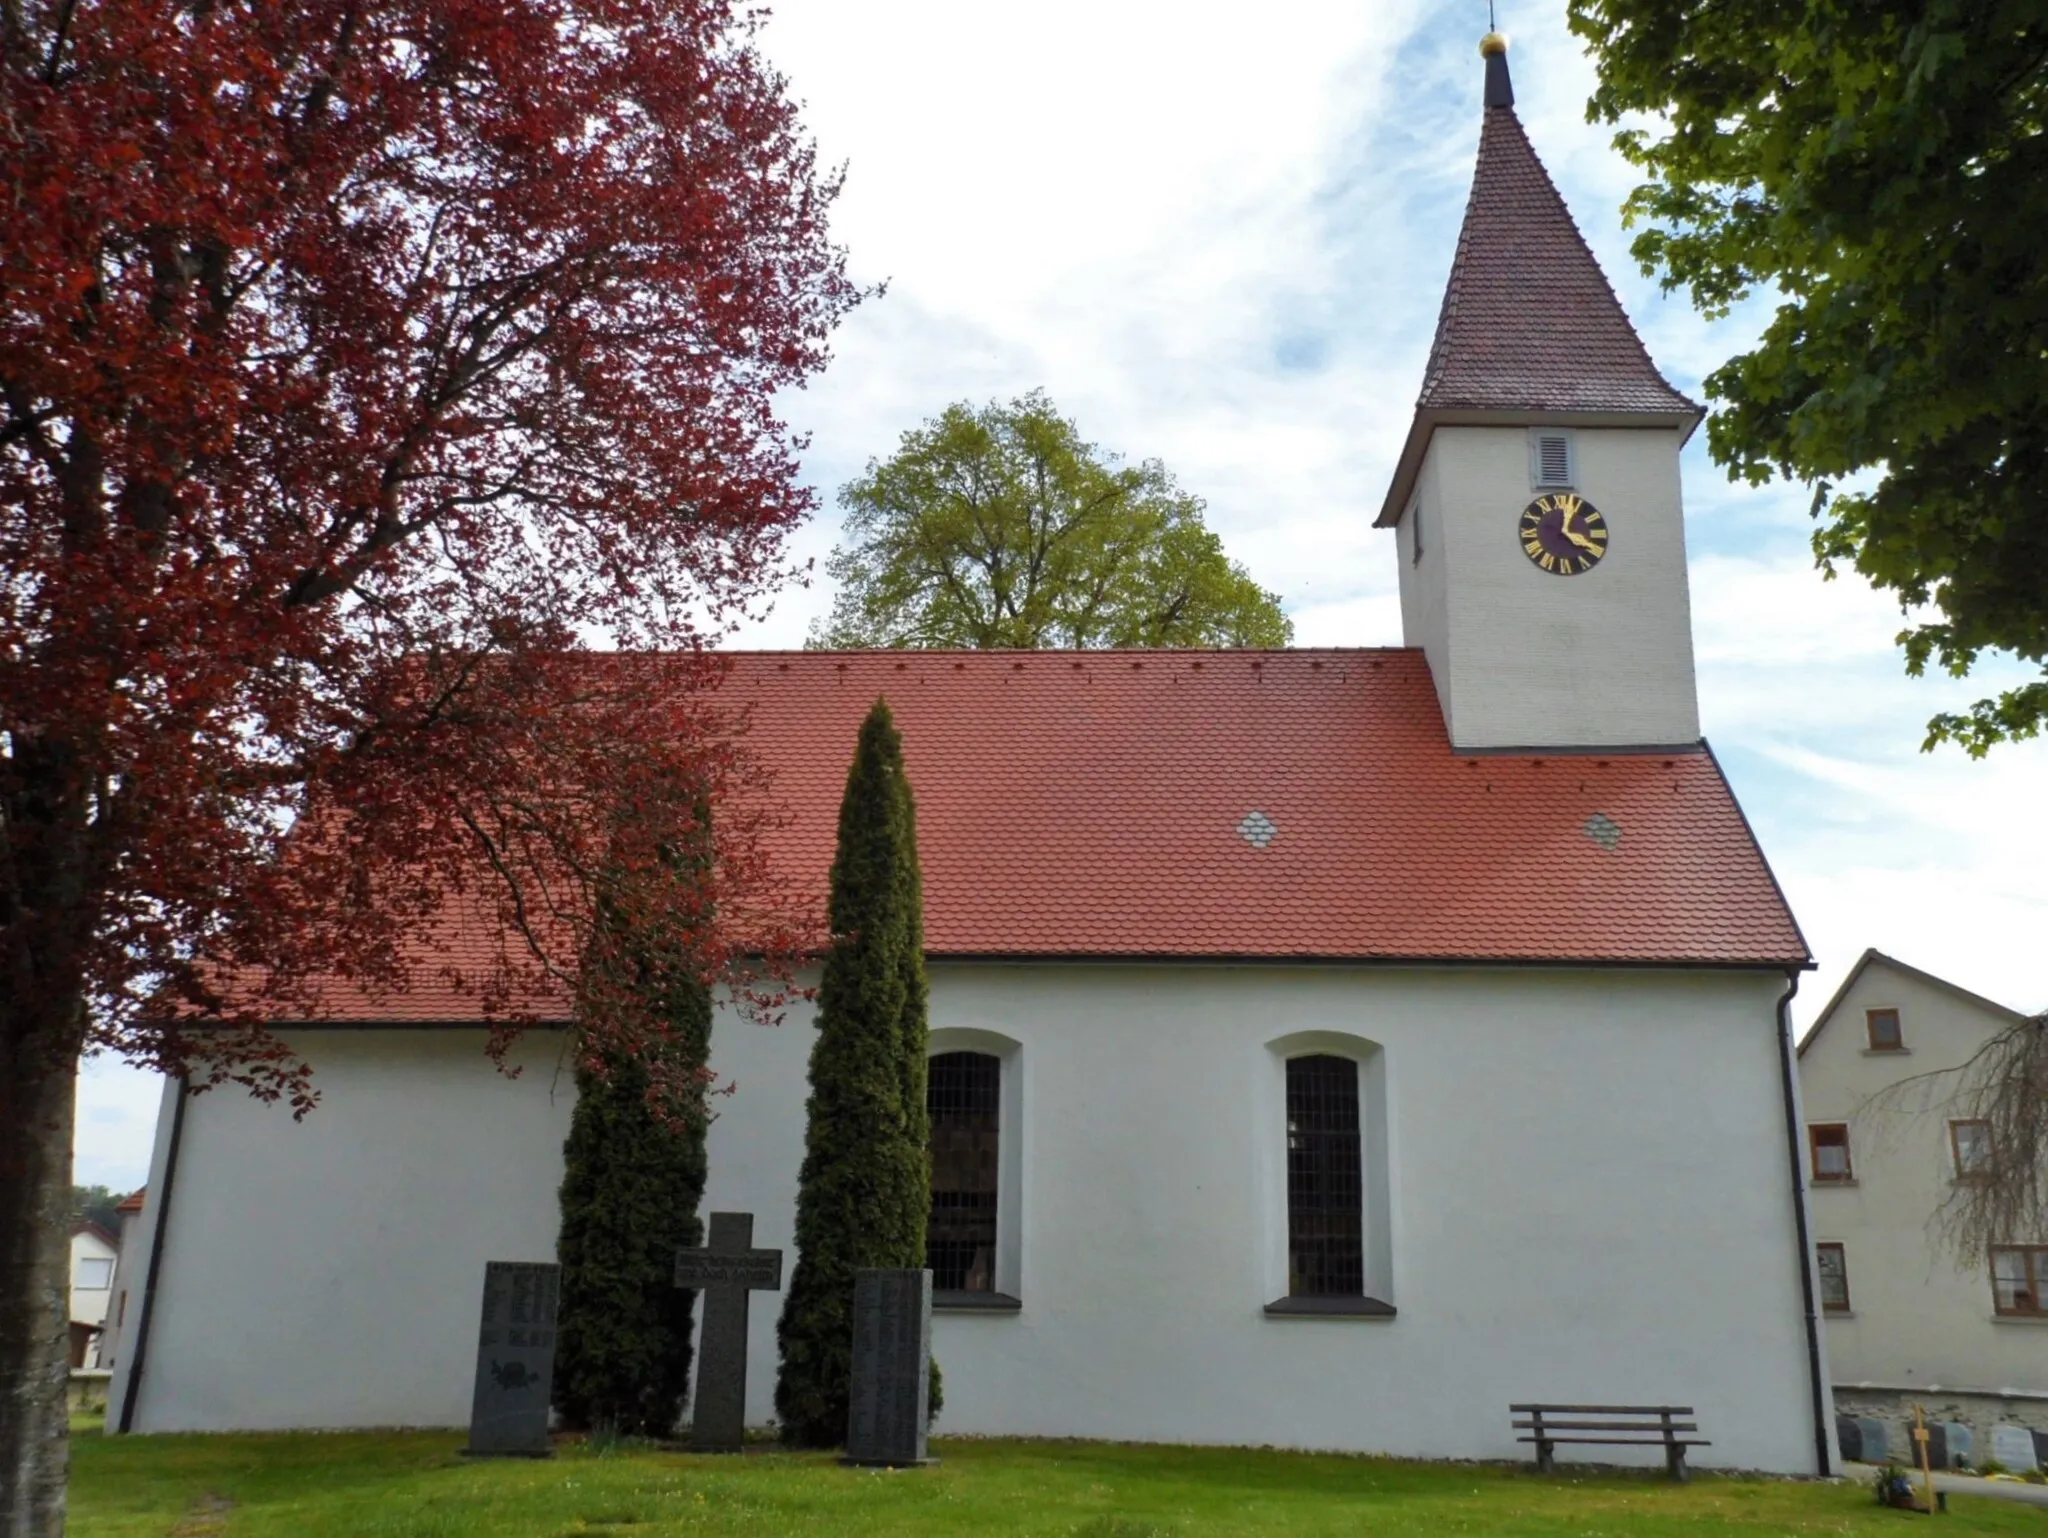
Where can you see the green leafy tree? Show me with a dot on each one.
(633, 1165)
(864, 1193)
(1882, 165)
(96, 1205)
(1002, 527)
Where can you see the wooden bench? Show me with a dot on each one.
(1621, 1425)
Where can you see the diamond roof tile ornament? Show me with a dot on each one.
(1258, 829)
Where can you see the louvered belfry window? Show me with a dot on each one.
(964, 1094)
(1551, 459)
(1325, 1218)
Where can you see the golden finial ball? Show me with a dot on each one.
(1493, 43)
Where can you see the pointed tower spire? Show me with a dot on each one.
(1537, 510)
(1530, 327)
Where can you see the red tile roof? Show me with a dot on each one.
(1089, 804)
(1529, 322)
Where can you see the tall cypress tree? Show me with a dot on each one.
(632, 1181)
(864, 1194)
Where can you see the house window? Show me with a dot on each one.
(1830, 1143)
(1970, 1142)
(964, 1095)
(1883, 1025)
(94, 1273)
(1325, 1197)
(1834, 1278)
(1415, 519)
(2019, 1279)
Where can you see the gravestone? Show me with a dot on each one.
(723, 1273)
(1937, 1445)
(1876, 1439)
(892, 1356)
(515, 1361)
(2013, 1446)
(1957, 1441)
(1849, 1433)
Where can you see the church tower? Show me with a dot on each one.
(1536, 503)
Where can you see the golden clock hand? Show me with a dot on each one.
(1564, 527)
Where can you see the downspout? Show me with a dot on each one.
(1821, 1408)
(138, 1357)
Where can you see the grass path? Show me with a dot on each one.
(415, 1485)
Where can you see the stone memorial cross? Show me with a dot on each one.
(724, 1272)
(892, 1361)
(515, 1360)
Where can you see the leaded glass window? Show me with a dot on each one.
(1325, 1218)
(964, 1096)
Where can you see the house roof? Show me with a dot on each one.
(1872, 957)
(94, 1230)
(133, 1202)
(1530, 328)
(1301, 804)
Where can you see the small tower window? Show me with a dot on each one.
(1553, 458)
(1415, 521)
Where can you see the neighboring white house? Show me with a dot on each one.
(1330, 1047)
(126, 1281)
(1906, 1321)
(93, 1253)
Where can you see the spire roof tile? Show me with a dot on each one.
(1529, 321)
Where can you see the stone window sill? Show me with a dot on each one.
(2019, 1318)
(1329, 1308)
(1887, 1051)
(962, 1302)
(1838, 1313)
(1821, 1184)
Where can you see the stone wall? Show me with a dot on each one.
(1980, 1412)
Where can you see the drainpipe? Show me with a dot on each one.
(162, 1198)
(1821, 1407)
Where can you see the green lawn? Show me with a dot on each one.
(414, 1485)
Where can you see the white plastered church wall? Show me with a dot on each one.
(1531, 659)
(328, 1272)
(1585, 1172)
(1918, 1317)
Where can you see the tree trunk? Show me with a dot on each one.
(39, 1043)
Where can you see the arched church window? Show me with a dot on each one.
(1325, 1196)
(964, 1096)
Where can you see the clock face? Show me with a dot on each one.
(1563, 533)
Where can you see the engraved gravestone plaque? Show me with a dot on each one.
(515, 1361)
(2013, 1446)
(725, 1271)
(892, 1353)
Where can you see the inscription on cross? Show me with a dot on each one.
(724, 1272)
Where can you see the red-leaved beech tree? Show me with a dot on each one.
(359, 365)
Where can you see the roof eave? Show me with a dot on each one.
(1429, 418)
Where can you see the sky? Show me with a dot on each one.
(1218, 236)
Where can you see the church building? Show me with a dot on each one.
(1329, 1047)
